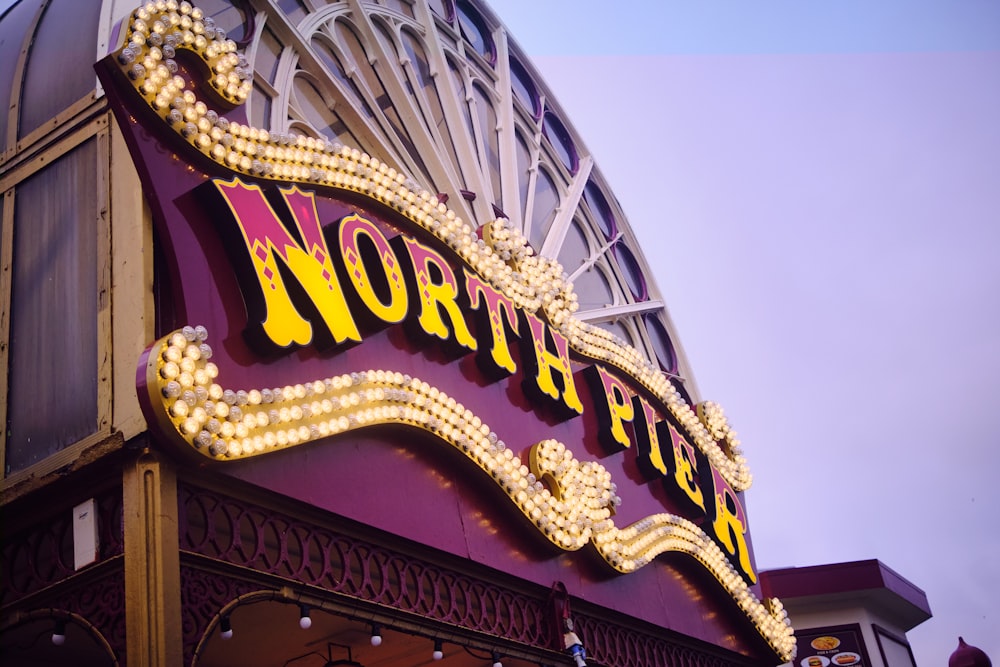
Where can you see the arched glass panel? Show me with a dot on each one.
(333, 63)
(443, 8)
(266, 55)
(558, 137)
(260, 108)
(523, 173)
(600, 210)
(591, 286)
(293, 9)
(491, 143)
(53, 325)
(543, 211)
(593, 289)
(575, 250)
(434, 114)
(474, 31)
(231, 16)
(459, 83)
(630, 269)
(619, 329)
(662, 345)
(13, 28)
(350, 40)
(60, 68)
(315, 111)
(524, 89)
(403, 7)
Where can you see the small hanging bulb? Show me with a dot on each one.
(305, 622)
(59, 633)
(438, 650)
(376, 635)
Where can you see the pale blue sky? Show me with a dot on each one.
(817, 188)
(569, 27)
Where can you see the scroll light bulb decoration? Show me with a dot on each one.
(503, 258)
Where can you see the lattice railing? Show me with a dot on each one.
(250, 536)
(42, 554)
(254, 537)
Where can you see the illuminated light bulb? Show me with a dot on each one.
(305, 622)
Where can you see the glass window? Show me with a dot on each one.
(619, 329)
(432, 100)
(332, 62)
(491, 143)
(373, 80)
(474, 31)
(13, 28)
(543, 211)
(575, 250)
(315, 111)
(600, 210)
(232, 16)
(443, 8)
(660, 340)
(630, 269)
(523, 172)
(592, 287)
(558, 137)
(524, 89)
(459, 83)
(266, 55)
(52, 399)
(404, 7)
(260, 108)
(60, 68)
(293, 9)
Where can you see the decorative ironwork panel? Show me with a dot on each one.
(251, 536)
(102, 602)
(42, 554)
(202, 595)
(619, 646)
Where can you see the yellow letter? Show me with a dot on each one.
(685, 468)
(650, 459)
(614, 410)
(352, 229)
(543, 363)
(266, 241)
(497, 310)
(729, 525)
(437, 298)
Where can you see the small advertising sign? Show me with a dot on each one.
(835, 646)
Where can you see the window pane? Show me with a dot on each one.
(229, 16)
(544, 208)
(260, 108)
(491, 143)
(12, 29)
(310, 102)
(619, 329)
(630, 269)
(660, 339)
(558, 137)
(524, 89)
(523, 173)
(432, 99)
(53, 332)
(60, 66)
(474, 32)
(266, 55)
(602, 212)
